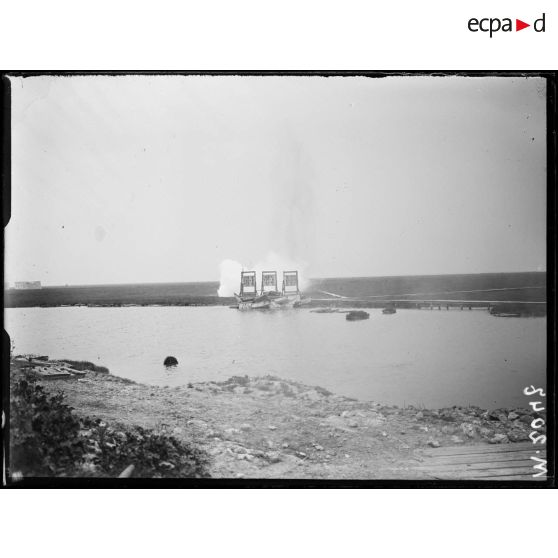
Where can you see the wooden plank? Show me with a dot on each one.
(477, 466)
(492, 478)
(494, 463)
(482, 473)
(482, 464)
(515, 477)
(53, 373)
(490, 462)
(486, 458)
(481, 448)
(495, 478)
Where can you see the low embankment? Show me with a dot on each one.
(164, 294)
(529, 289)
(265, 427)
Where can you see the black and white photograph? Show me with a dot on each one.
(260, 279)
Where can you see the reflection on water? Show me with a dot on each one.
(420, 357)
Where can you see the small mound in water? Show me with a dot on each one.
(357, 315)
(170, 361)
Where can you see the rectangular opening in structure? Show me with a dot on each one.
(248, 282)
(290, 281)
(269, 281)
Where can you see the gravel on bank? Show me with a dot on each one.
(268, 427)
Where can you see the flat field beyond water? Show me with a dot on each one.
(527, 287)
(143, 294)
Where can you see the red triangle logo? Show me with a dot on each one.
(519, 25)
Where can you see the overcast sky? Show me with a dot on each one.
(161, 178)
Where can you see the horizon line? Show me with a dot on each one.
(10, 284)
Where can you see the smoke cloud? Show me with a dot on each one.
(229, 273)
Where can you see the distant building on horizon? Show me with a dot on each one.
(27, 285)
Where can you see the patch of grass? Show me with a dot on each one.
(323, 391)
(235, 381)
(265, 386)
(176, 294)
(44, 433)
(86, 365)
(287, 390)
(47, 439)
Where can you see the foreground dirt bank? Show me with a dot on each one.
(272, 428)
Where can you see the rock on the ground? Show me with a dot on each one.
(231, 431)
(468, 429)
(486, 432)
(498, 414)
(196, 423)
(273, 456)
(518, 436)
(447, 414)
(499, 439)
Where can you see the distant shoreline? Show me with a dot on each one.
(498, 309)
(527, 289)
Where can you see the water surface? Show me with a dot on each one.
(420, 357)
